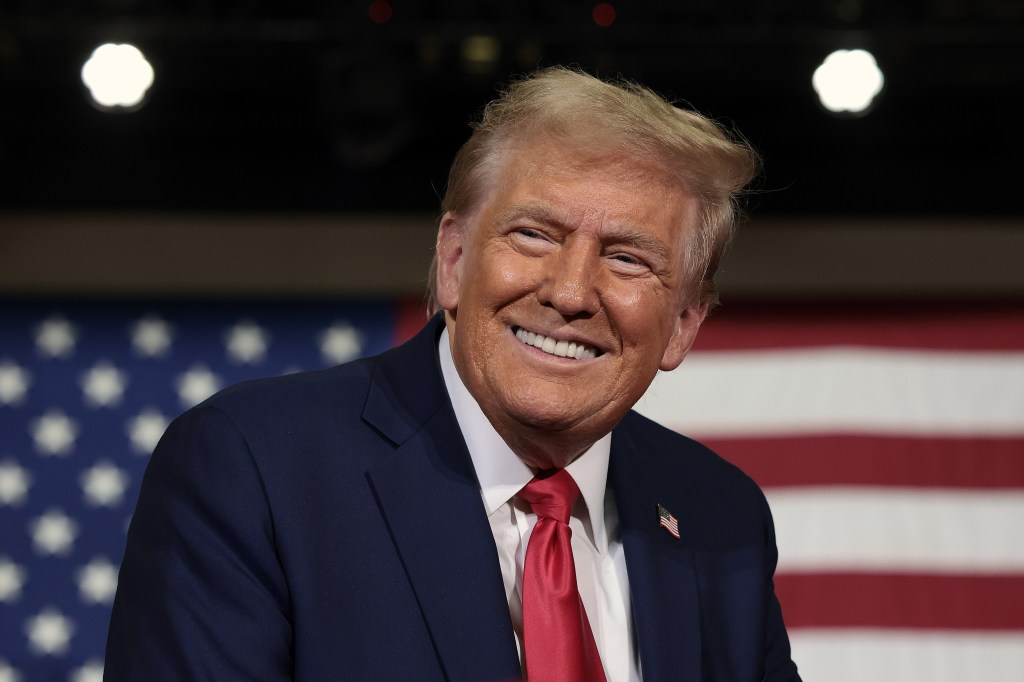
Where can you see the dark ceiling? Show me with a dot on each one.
(310, 106)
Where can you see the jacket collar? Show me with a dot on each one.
(662, 574)
(429, 497)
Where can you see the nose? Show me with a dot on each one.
(570, 283)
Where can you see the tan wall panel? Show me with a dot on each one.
(831, 257)
(209, 254)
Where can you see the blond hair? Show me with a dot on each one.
(588, 113)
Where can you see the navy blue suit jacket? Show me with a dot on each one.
(329, 525)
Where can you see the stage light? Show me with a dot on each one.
(117, 76)
(848, 81)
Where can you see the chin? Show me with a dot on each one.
(551, 417)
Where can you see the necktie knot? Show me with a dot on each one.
(551, 495)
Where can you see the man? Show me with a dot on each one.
(374, 521)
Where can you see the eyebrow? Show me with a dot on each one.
(618, 234)
(536, 212)
(644, 242)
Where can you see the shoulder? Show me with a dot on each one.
(277, 397)
(259, 409)
(274, 414)
(295, 437)
(338, 393)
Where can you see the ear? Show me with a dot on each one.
(687, 325)
(449, 249)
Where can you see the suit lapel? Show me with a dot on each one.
(429, 497)
(662, 576)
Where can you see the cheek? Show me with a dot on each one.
(643, 315)
(509, 277)
(630, 299)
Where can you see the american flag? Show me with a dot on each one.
(86, 390)
(668, 522)
(889, 440)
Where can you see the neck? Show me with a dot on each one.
(540, 449)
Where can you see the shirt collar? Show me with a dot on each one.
(502, 474)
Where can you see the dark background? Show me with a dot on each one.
(311, 106)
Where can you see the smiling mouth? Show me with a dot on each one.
(562, 349)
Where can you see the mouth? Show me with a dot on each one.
(556, 347)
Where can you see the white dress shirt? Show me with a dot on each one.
(596, 542)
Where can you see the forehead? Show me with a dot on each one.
(565, 181)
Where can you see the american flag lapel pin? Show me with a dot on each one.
(668, 522)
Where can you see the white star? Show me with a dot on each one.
(151, 337)
(53, 533)
(54, 433)
(340, 342)
(7, 673)
(103, 484)
(49, 632)
(15, 481)
(12, 577)
(55, 337)
(97, 581)
(14, 383)
(196, 385)
(92, 671)
(246, 343)
(103, 385)
(144, 430)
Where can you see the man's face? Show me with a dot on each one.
(564, 294)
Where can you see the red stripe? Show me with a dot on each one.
(969, 462)
(410, 316)
(893, 325)
(962, 602)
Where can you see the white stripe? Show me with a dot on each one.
(841, 390)
(894, 529)
(902, 656)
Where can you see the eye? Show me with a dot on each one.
(627, 258)
(531, 240)
(628, 261)
(529, 233)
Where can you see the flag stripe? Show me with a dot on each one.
(898, 529)
(879, 655)
(938, 327)
(410, 317)
(870, 460)
(902, 600)
(844, 390)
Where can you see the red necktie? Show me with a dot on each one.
(557, 638)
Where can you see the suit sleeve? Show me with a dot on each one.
(201, 593)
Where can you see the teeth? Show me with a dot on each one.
(565, 349)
